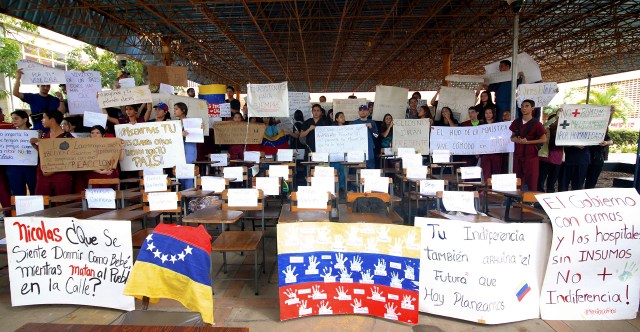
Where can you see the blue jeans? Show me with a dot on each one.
(190, 155)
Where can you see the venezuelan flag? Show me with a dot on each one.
(523, 290)
(212, 93)
(174, 263)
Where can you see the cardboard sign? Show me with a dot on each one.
(592, 272)
(487, 273)
(526, 64)
(171, 75)
(582, 124)
(540, 93)
(193, 127)
(100, 198)
(265, 100)
(69, 261)
(35, 73)
(16, 149)
(324, 184)
(340, 268)
(221, 159)
(270, 186)
(459, 201)
(458, 100)
(72, 154)
(90, 119)
(411, 133)
(392, 100)
(474, 172)
(380, 185)
(213, 183)
(197, 107)
(229, 132)
(151, 144)
(312, 197)
(431, 187)
(186, 171)
(82, 87)
(28, 204)
(504, 182)
(122, 97)
(349, 107)
(339, 139)
(155, 182)
(231, 173)
(163, 201)
(242, 197)
(484, 139)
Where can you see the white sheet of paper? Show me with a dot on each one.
(336, 157)
(213, 183)
(321, 157)
(90, 119)
(324, 183)
(154, 183)
(126, 83)
(504, 182)
(221, 158)
(270, 185)
(431, 187)
(387, 151)
(185, 171)
(324, 171)
(441, 156)
(460, 201)
(380, 184)
(417, 172)
(28, 204)
(242, 197)
(233, 173)
(367, 173)
(100, 198)
(403, 151)
(285, 155)
(152, 171)
(411, 160)
(225, 110)
(355, 156)
(193, 127)
(310, 197)
(279, 171)
(252, 156)
(162, 201)
(473, 172)
(166, 88)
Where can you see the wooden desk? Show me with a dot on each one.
(350, 217)
(192, 193)
(86, 214)
(68, 210)
(206, 164)
(288, 216)
(121, 215)
(64, 198)
(347, 166)
(469, 217)
(450, 164)
(213, 215)
(49, 327)
(309, 164)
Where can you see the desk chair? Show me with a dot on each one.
(384, 197)
(497, 205)
(242, 183)
(177, 211)
(269, 212)
(294, 204)
(466, 182)
(198, 192)
(259, 208)
(528, 211)
(223, 159)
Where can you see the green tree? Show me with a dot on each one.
(612, 95)
(11, 52)
(88, 58)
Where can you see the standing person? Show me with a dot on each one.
(412, 111)
(490, 163)
(386, 131)
(503, 89)
(416, 95)
(446, 118)
(363, 113)
(471, 160)
(527, 133)
(506, 116)
(485, 101)
(236, 151)
(597, 157)
(550, 157)
(340, 121)
(323, 99)
(180, 110)
(309, 126)
(38, 102)
(21, 177)
(231, 92)
(296, 142)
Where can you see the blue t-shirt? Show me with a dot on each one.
(373, 129)
(39, 104)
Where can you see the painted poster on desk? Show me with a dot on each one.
(488, 273)
(369, 269)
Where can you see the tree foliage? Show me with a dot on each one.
(11, 52)
(612, 95)
(88, 58)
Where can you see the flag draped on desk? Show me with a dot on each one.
(174, 263)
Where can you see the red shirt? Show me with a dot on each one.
(536, 131)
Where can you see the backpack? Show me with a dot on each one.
(369, 205)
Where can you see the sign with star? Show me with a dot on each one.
(69, 261)
(582, 125)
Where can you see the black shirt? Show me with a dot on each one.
(311, 137)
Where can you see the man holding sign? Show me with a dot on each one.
(38, 102)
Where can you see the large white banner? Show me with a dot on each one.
(297, 101)
(342, 139)
(82, 88)
(16, 149)
(582, 124)
(489, 273)
(197, 107)
(411, 133)
(151, 145)
(349, 107)
(392, 100)
(122, 97)
(526, 64)
(483, 139)
(69, 261)
(593, 266)
(35, 73)
(458, 100)
(266, 100)
(540, 93)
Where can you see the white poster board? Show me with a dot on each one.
(155, 182)
(221, 158)
(458, 100)
(504, 182)
(582, 124)
(431, 187)
(473, 172)
(166, 88)
(100, 198)
(90, 119)
(16, 149)
(122, 97)
(82, 87)
(485, 139)
(194, 129)
(270, 186)
(411, 133)
(459, 201)
(592, 272)
(163, 201)
(310, 197)
(35, 73)
(28, 204)
(185, 171)
(242, 197)
(198, 108)
(69, 261)
(540, 93)
(526, 65)
(213, 183)
(349, 107)
(266, 100)
(392, 100)
(339, 139)
(151, 144)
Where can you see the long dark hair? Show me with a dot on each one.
(183, 107)
(383, 126)
(23, 115)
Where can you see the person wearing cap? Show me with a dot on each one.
(160, 113)
(38, 102)
(363, 113)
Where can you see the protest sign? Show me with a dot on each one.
(489, 273)
(431, 187)
(230, 132)
(16, 149)
(411, 133)
(213, 183)
(526, 64)
(28, 204)
(171, 75)
(540, 93)
(337, 268)
(269, 186)
(90, 119)
(197, 107)
(193, 127)
(440, 156)
(349, 107)
(582, 124)
(592, 272)
(268, 100)
(392, 100)
(465, 78)
(313, 197)
(151, 144)
(82, 87)
(459, 201)
(155, 182)
(458, 100)
(35, 73)
(69, 261)
(72, 154)
(122, 97)
(339, 139)
(242, 197)
(297, 101)
(163, 201)
(186, 171)
(485, 139)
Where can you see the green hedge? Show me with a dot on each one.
(624, 136)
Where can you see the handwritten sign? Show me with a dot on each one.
(324, 184)
(69, 261)
(285, 155)
(411, 133)
(268, 100)
(431, 187)
(322, 157)
(165, 88)
(172, 75)
(312, 197)
(221, 159)
(122, 97)
(16, 149)
(28, 204)
(356, 156)
(242, 197)
(163, 201)
(213, 183)
(458, 100)
(82, 87)
(540, 93)
(582, 124)
(526, 64)
(324, 171)
(417, 172)
(229, 132)
(459, 201)
(379, 184)
(349, 107)
(338, 139)
(35, 73)
(100, 198)
(474, 172)
(152, 144)
(592, 273)
(392, 100)
(485, 139)
(488, 273)
(155, 182)
(235, 174)
(186, 171)
(411, 160)
(90, 119)
(504, 182)
(269, 186)
(193, 127)
(440, 156)
(197, 107)
(71, 154)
